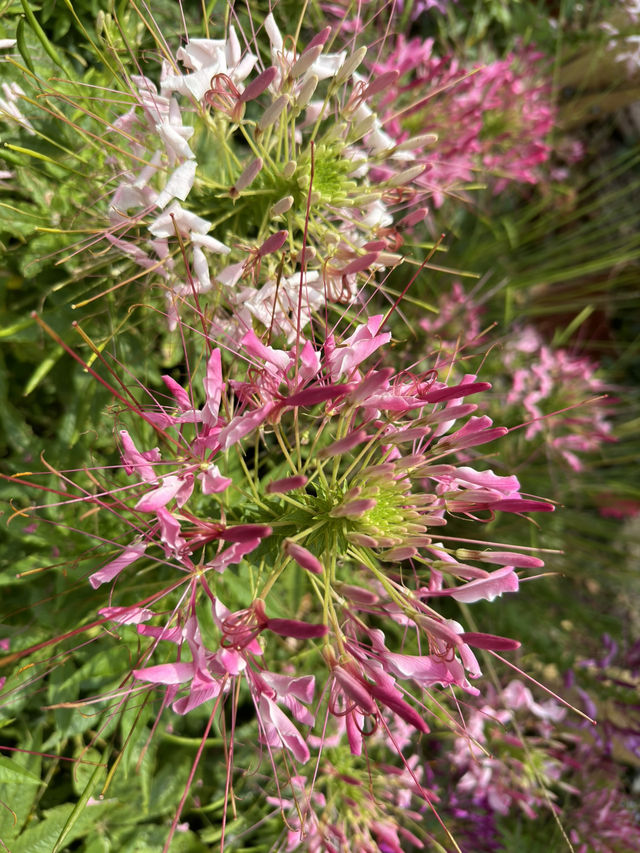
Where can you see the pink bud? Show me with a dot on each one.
(489, 641)
(319, 39)
(455, 391)
(362, 539)
(382, 82)
(247, 177)
(395, 555)
(358, 594)
(413, 218)
(375, 245)
(411, 434)
(258, 86)
(456, 442)
(501, 558)
(245, 532)
(353, 509)
(520, 505)
(452, 413)
(273, 243)
(406, 176)
(359, 264)
(305, 61)
(272, 113)
(297, 630)
(344, 444)
(303, 558)
(286, 484)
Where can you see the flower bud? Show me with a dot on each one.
(350, 65)
(305, 61)
(286, 484)
(272, 113)
(282, 206)
(406, 176)
(306, 91)
(259, 85)
(303, 558)
(247, 177)
(289, 169)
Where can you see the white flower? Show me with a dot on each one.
(206, 58)
(324, 66)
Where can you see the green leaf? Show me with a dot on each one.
(79, 809)
(12, 772)
(40, 372)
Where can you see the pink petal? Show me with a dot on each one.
(502, 580)
(166, 673)
(213, 388)
(127, 615)
(113, 569)
(181, 396)
(243, 425)
(279, 731)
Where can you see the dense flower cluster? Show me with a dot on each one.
(276, 535)
(300, 180)
(556, 393)
(490, 119)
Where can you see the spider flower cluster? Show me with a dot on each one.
(291, 514)
(492, 120)
(232, 158)
(555, 391)
(277, 520)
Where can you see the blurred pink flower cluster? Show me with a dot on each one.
(492, 120)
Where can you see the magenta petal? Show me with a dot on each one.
(318, 394)
(213, 387)
(258, 85)
(127, 615)
(392, 700)
(169, 487)
(178, 392)
(242, 425)
(112, 569)
(355, 690)
(137, 462)
(233, 554)
(245, 532)
(455, 392)
(302, 687)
